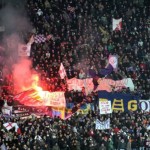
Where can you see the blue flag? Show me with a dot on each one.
(107, 70)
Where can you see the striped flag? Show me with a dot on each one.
(58, 112)
(62, 71)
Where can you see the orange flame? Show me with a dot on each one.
(33, 83)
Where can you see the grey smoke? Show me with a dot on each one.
(14, 19)
(17, 27)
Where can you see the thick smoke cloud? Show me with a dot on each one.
(17, 27)
(14, 18)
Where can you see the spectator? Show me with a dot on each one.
(102, 147)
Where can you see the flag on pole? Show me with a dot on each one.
(40, 38)
(24, 49)
(62, 71)
(113, 60)
(117, 24)
(106, 71)
(10, 125)
(111, 66)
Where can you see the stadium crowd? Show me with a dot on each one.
(81, 38)
(128, 132)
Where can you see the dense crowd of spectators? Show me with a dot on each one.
(82, 38)
(128, 132)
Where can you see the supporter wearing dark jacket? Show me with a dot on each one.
(122, 145)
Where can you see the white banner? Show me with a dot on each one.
(78, 84)
(42, 98)
(55, 99)
(144, 105)
(102, 125)
(24, 49)
(105, 107)
(117, 24)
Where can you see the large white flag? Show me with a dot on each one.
(102, 125)
(117, 24)
(24, 49)
(62, 71)
(9, 125)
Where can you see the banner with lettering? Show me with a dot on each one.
(42, 98)
(109, 84)
(79, 84)
(102, 125)
(120, 101)
(144, 105)
(105, 107)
